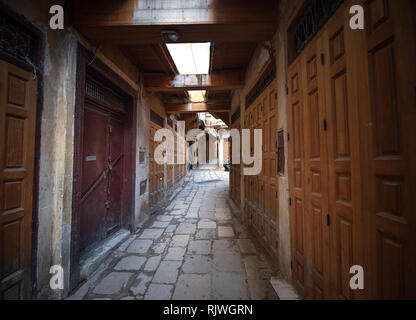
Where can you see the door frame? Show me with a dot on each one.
(86, 59)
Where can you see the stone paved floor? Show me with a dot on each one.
(196, 249)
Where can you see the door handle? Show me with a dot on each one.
(107, 204)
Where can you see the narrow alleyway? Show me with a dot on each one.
(196, 249)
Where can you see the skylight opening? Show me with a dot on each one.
(191, 58)
(197, 95)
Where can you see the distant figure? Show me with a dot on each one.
(227, 165)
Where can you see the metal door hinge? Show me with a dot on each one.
(328, 219)
(110, 128)
(325, 125)
(290, 201)
(288, 137)
(287, 91)
(291, 265)
(322, 59)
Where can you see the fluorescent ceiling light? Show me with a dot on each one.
(191, 58)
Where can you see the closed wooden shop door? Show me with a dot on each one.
(296, 176)
(156, 171)
(342, 142)
(102, 174)
(315, 174)
(17, 144)
(115, 163)
(352, 155)
(389, 148)
(152, 164)
(325, 200)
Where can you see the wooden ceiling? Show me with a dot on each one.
(234, 28)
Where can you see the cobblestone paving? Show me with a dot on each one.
(196, 249)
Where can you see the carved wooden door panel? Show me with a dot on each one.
(296, 175)
(160, 175)
(342, 141)
(315, 175)
(94, 186)
(389, 146)
(156, 171)
(17, 144)
(151, 166)
(356, 166)
(115, 162)
(170, 169)
(101, 206)
(272, 188)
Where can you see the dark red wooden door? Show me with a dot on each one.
(102, 172)
(116, 175)
(94, 176)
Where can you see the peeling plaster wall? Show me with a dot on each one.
(56, 158)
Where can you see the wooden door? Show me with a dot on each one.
(265, 125)
(389, 148)
(296, 176)
(102, 189)
(116, 171)
(17, 143)
(152, 168)
(156, 171)
(235, 171)
(272, 208)
(151, 165)
(171, 168)
(342, 141)
(315, 174)
(94, 176)
(356, 162)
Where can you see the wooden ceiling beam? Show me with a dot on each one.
(143, 35)
(212, 100)
(195, 107)
(224, 80)
(132, 22)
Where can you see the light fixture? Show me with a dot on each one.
(169, 35)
